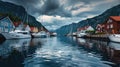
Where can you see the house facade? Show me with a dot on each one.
(84, 29)
(111, 26)
(34, 29)
(6, 25)
(101, 28)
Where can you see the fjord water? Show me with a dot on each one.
(59, 52)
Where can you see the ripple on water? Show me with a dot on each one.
(60, 55)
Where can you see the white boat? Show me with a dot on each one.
(81, 34)
(39, 34)
(17, 34)
(115, 46)
(114, 37)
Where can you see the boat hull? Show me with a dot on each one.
(115, 38)
(15, 36)
(36, 35)
(81, 35)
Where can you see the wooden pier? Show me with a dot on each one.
(102, 37)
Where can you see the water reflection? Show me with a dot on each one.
(108, 51)
(13, 52)
(59, 52)
(62, 52)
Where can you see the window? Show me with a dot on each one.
(111, 26)
(109, 21)
(108, 26)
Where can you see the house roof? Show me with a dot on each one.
(116, 18)
(1, 17)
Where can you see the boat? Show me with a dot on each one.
(16, 34)
(115, 46)
(81, 34)
(53, 34)
(114, 37)
(39, 34)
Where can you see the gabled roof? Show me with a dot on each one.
(116, 18)
(2, 17)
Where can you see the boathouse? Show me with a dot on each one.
(6, 25)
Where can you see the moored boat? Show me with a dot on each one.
(81, 34)
(17, 34)
(114, 37)
(39, 34)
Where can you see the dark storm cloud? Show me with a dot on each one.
(37, 6)
(57, 7)
(61, 12)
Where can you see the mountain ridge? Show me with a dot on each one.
(114, 11)
(20, 12)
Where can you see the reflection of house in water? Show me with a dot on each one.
(114, 50)
(9, 45)
(36, 41)
(5, 49)
(85, 42)
(81, 41)
(111, 50)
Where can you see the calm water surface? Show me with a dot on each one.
(59, 52)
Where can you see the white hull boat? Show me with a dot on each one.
(115, 46)
(81, 34)
(114, 37)
(39, 34)
(17, 34)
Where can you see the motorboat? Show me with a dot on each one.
(16, 34)
(114, 37)
(39, 34)
(81, 34)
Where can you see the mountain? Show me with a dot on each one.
(17, 13)
(114, 11)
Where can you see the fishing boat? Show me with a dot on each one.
(16, 34)
(39, 34)
(114, 37)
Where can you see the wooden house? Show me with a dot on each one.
(84, 29)
(34, 29)
(6, 25)
(101, 28)
(113, 25)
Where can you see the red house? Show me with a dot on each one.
(111, 26)
(100, 28)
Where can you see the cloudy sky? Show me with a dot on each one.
(56, 13)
